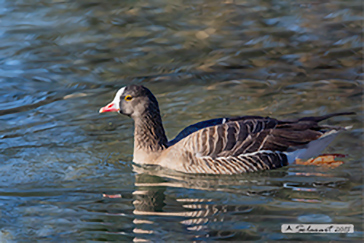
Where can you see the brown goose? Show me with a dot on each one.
(223, 145)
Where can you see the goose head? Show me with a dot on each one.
(133, 101)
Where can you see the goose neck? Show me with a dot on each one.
(149, 134)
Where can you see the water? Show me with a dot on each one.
(61, 61)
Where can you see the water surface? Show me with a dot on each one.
(60, 61)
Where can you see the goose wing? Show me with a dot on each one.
(208, 123)
(249, 144)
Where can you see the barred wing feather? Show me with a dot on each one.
(244, 145)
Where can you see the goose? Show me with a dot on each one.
(223, 145)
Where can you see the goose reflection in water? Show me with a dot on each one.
(194, 215)
(218, 207)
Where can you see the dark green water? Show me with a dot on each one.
(60, 61)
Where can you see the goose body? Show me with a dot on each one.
(223, 145)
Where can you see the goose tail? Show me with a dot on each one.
(314, 148)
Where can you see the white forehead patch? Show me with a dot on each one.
(116, 100)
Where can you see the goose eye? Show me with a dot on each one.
(128, 98)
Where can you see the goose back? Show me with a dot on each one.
(243, 144)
